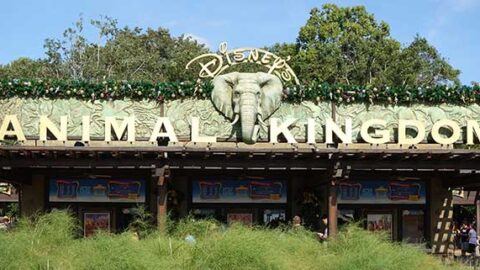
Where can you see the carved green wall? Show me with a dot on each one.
(212, 122)
(28, 112)
(424, 113)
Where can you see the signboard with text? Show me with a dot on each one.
(239, 191)
(381, 191)
(97, 190)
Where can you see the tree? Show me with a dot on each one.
(25, 68)
(121, 54)
(343, 45)
(347, 45)
(420, 64)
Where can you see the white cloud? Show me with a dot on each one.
(199, 39)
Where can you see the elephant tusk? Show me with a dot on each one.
(256, 129)
(259, 117)
(236, 119)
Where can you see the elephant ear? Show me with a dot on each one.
(272, 92)
(222, 93)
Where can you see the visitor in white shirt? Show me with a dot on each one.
(472, 239)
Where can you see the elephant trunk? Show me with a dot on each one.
(248, 118)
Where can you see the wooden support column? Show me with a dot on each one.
(332, 210)
(441, 215)
(477, 203)
(162, 192)
(33, 196)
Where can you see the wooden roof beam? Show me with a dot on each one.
(474, 156)
(385, 156)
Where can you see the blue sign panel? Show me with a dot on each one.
(381, 191)
(97, 190)
(239, 191)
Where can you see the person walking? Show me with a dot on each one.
(472, 240)
(464, 238)
(323, 228)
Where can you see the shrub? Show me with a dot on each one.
(48, 242)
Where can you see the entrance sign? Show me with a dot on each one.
(276, 129)
(380, 135)
(16, 131)
(239, 191)
(163, 122)
(97, 190)
(403, 125)
(451, 125)
(47, 125)
(127, 125)
(11, 129)
(381, 191)
(331, 127)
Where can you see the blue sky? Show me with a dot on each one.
(453, 26)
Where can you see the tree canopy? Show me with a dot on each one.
(337, 45)
(117, 54)
(347, 45)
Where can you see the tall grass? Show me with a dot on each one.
(49, 242)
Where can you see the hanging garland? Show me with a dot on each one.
(106, 90)
(384, 95)
(317, 92)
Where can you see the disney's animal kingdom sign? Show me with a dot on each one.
(251, 101)
(372, 131)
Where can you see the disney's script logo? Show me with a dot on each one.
(214, 64)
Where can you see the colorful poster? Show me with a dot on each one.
(239, 191)
(379, 223)
(243, 218)
(381, 191)
(93, 222)
(97, 190)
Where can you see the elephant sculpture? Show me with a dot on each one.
(248, 97)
